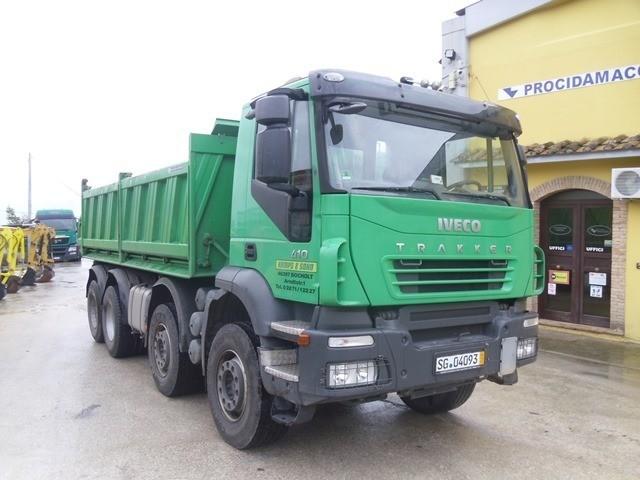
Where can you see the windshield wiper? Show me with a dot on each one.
(490, 196)
(400, 189)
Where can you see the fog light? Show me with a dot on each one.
(359, 341)
(527, 347)
(352, 374)
(530, 322)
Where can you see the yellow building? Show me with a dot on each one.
(571, 70)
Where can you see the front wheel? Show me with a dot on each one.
(240, 406)
(441, 402)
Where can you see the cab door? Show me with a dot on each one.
(277, 232)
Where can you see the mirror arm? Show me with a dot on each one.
(292, 93)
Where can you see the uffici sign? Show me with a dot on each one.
(570, 82)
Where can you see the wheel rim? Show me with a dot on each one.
(92, 308)
(162, 349)
(110, 321)
(231, 385)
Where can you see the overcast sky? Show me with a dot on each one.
(95, 88)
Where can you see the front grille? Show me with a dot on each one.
(413, 276)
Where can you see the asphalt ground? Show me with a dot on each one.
(70, 411)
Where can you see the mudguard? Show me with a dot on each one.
(256, 296)
(99, 274)
(183, 294)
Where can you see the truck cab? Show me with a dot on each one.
(395, 222)
(64, 246)
(349, 238)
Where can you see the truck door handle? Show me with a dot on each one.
(250, 252)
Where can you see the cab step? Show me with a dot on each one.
(289, 329)
(285, 372)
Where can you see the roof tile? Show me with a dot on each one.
(584, 145)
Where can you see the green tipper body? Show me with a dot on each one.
(173, 221)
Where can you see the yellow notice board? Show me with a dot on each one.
(559, 277)
(295, 266)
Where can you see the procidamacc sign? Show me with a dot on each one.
(570, 82)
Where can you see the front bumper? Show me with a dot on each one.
(405, 350)
(64, 253)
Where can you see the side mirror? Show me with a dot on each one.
(273, 143)
(272, 110)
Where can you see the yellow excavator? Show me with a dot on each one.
(25, 242)
(12, 252)
(39, 261)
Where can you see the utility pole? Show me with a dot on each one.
(29, 202)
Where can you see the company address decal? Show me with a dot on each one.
(570, 82)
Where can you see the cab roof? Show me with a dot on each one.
(331, 82)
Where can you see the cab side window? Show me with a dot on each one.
(288, 200)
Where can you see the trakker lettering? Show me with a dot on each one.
(459, 248)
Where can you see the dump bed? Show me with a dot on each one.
(173, 221)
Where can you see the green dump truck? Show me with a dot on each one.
(350, 237)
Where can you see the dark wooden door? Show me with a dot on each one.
(575, 233)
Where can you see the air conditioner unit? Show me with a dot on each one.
(625, 183)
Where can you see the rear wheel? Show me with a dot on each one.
(441, 402)
(240, 406)
(118, 336)
(94, 313)
(173, 372)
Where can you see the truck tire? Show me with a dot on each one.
(172, 371)
(94, 312)
(441, 402)
(240, 406)
(118, 336)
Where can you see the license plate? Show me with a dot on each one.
(460, 361)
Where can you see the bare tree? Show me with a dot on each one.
(12, 217)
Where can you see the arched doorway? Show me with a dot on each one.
(576, 235)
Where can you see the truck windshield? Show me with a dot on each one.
(60, 223)
(400, 153)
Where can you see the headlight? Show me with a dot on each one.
(73, 249)
(352, 374)
(527, 347)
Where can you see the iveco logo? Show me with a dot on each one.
(459, 225)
